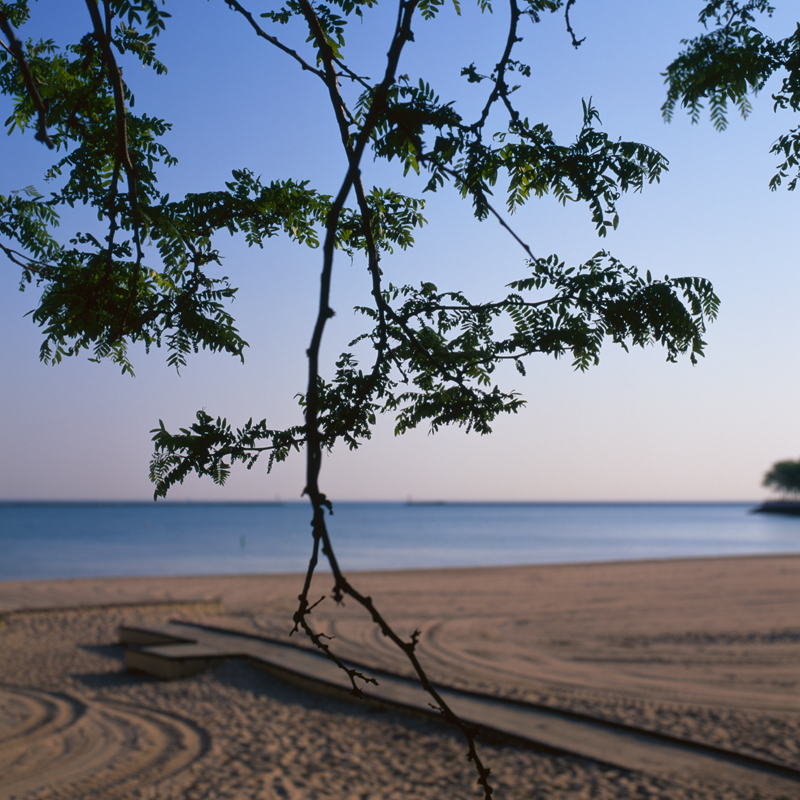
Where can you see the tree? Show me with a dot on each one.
(785, 477)
(426, 356)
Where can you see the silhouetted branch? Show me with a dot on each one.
(500, 88)
(30, 265)
(576, 43)
(348, 73)
(115, 79)
(15, 48)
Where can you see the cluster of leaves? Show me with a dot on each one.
(147, 278)
(525, 157)
(209, 447)
(443, 350)
(785, 477)
(449, 347)
(100, 292)
(729, 63)
(28, 222)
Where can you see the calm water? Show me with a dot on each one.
(71, 540)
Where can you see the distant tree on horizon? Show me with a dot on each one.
(784, 476)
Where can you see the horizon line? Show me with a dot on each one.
(408, 502)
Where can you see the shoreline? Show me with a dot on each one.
(702, 648)
(66, 593)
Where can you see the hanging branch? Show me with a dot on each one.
(29, 265)
(402, 34)
(319, 502)
(314, 438)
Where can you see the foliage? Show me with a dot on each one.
(785, 477)
(730, 62)
(433, 355)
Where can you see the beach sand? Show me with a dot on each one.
(707, 649)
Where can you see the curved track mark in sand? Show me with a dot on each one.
(76, 749)
(26, 715)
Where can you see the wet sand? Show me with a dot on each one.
(707, 649)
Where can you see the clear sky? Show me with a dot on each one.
(634, 428)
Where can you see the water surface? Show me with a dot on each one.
(72, 540)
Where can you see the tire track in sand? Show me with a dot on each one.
(79, 748)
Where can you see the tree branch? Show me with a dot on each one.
(401, 35)
(576, 43)
(486, 306)
(15, 48)
(29, 264)
(483, 199)
(500, 87)
(115, 79)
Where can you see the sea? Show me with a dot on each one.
(81, 540)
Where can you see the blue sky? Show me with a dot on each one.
(634, 428)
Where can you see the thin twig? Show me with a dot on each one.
(480, 195)
(486, 306)
(342, 587)
(26, 262)
(236, 6)
(348, 73)
(500, 87)
(576, 43)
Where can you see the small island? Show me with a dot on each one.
(789, 507)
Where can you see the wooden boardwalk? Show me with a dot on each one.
(175, 650)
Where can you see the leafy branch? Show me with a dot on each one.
(730, 63)
(15, 48)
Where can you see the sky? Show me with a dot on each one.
(634, 428)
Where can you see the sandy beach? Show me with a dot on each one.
(706, 649)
